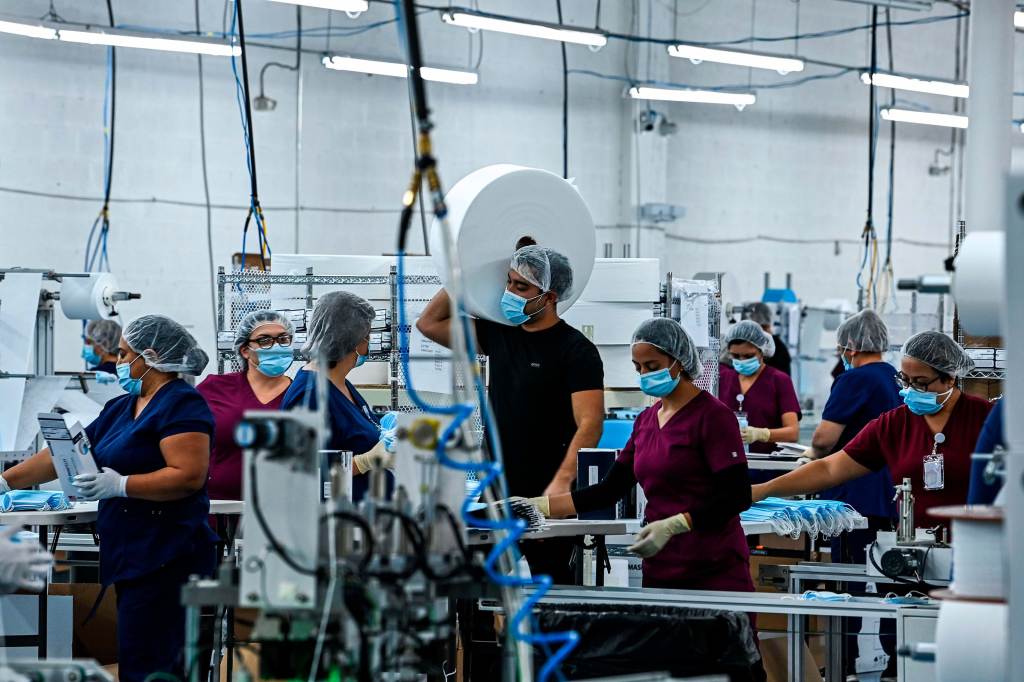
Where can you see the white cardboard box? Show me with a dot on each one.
(624, 280)
(608, 323)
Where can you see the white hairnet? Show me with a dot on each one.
(106, 333)
(939, 352)
(544, 268)
(865, 332)
(170, 347)
(339, 323)
(254, 321)
(669, 336)
(760, 313)
(751, 332)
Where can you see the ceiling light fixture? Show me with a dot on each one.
(914, 84)
(924, 117)
(339, 5)
(377, 67)
(755, 60)
(737, 99)
(522, 27)
(28, 30)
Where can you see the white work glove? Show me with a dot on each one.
(101, 486)
(800, 461)
(23, 564)
(653, 537)
(5, 487)
(105, 378)
(755, 434)
(542, 503)
(378, 456)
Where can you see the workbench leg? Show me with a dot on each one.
(43, 616)
(192, 615)
(601, 560)
(795, 637)
(834, 670)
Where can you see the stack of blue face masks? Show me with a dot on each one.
(33, 500)
(827, 518)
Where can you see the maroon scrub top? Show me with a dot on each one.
(771, 396)
(229, 396)
(674, 464)
(901, 439)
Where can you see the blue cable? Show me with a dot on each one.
(515, 527)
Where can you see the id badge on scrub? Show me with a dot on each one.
(934, 472)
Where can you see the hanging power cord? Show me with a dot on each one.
(463, 350)
(865, 300)
(96, 257)
(255, 212)
(565, 98)
(888, 277)
(206, 184)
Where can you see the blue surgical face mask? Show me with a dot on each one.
(746, 367)
(274, 361)
(514, 307)
(124, 377)
(89, 355)
(360, 359)
(924, 402)
(847, 365)
(659, 384)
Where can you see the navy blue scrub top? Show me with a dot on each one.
(858, 396)
(138, 537)
(992, 435)
(354, 427)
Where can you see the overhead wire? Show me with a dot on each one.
(96, 255)
(565, 100)
(206, 184)
(887, 277)
(866, 298)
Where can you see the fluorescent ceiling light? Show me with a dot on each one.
(1018, 19)
(378, 67)
(118, 38)
(754, 60)
(737, 99)
(339, 5)
(896, 82)
(917, 5)
(530, 29)
(924, 117)
(29, 30)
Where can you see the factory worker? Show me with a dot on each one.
(991, 438)
(546, 385)
(861, 393)
(339, 334)
(24, 564)
(99, 349)
(761, 313)
(263, 342)
(769, 399)
(908, 438)
(153, 449)
(687, 455)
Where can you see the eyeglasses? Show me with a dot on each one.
(266, 342)
(917, 383)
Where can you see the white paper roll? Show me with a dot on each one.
(491, 209)
(88, 298)
(971, 642)
(979, 562)
(979, 284)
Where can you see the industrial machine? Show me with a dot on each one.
(910, 554)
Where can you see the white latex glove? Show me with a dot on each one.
(755, 434)
(800, 461)
(5, 487)
(653, 537)
(542, 503)
(105, 378)
(378, 456)
(101, 486)
(23, 564)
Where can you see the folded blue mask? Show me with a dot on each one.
(33, 500)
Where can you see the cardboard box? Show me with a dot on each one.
(624, 280)
(608, 323)
(98, 638)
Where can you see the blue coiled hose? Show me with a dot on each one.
(460, 412)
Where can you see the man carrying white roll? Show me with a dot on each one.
(546, 385)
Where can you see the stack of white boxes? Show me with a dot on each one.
(621, 294)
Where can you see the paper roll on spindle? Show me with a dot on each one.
(492, 209)
(971, 641)
(979, 283)
(979, 555)
(88, 298)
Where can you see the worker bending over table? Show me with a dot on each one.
(546, 386)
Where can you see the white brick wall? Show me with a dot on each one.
(793, 165)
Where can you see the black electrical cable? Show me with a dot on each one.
(565, 100)
(206, 181)
(369, 544)
(869, 225)
(254, 210)
(892, 145)
(113, 112)
(419, 195)
(276, 545)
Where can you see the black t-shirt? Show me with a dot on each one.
(781, 360)
(532, 378)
